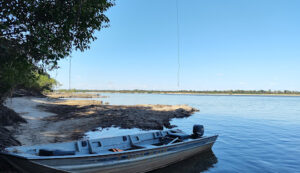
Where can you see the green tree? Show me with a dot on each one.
(40, 82)
(35, 34)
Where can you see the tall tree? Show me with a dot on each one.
(35, 34)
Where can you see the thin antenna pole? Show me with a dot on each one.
(56, 86)
(70, 74)
(178, 47)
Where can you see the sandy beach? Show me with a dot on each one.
(52, 120)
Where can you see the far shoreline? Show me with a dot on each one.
(181, 93)
(209, 94)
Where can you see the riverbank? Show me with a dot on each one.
(59, 120)
(188, 92)
(73, 95)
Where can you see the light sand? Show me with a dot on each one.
(57, 120)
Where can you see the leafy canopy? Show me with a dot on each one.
(47, 30)
(35, 34)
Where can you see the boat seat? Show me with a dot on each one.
(44, 152)
(181, 136)
(148, 146)
(91, 147)
(115, 150)
(78, 146)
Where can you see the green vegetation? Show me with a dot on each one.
(25, 76)
(35, 35)
(225, 92)
(41, 83)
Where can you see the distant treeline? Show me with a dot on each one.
(230, 92)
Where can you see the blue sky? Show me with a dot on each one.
(224, 44)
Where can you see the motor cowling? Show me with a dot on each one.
(198, 131)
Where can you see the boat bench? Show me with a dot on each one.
(181, 136)
(145, 146)
(46, 152)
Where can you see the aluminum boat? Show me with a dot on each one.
(127, 154)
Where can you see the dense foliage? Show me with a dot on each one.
(35, 34)
(40, 82)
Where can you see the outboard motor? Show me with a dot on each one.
(198, 131)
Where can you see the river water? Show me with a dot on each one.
(256, 133)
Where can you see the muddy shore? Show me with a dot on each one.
(56, 120)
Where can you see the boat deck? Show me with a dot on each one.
(129, 153)
(101, 146)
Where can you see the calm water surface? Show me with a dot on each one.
(256, 133)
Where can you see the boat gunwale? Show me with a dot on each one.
(106, 154)
(141, 158)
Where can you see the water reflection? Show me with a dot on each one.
(198, 163)
(263, 130)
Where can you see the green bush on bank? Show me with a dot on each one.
(41, 83)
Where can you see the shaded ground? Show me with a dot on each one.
(33, 131)
(27, 92)
(6, 139)
(8, 117)
(11, 118)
